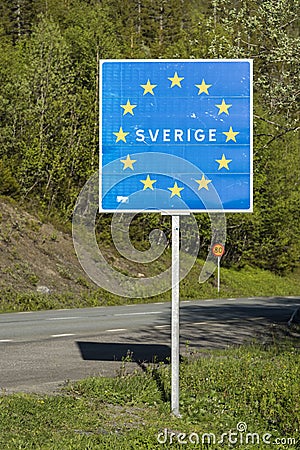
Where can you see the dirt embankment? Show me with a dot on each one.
(35, 256)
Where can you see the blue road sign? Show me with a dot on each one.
(176, 135)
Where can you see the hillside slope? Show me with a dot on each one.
(36, 256)
(39, 270)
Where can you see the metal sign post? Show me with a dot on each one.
(175, 317)
(219, 275)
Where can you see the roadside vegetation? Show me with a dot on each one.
(246, 282)
(49, 112)
(49, 109)
(248, 389)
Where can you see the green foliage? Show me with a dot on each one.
(8, 183)
(49, 58)
(125, 389)
(243, 282)
(237, 386)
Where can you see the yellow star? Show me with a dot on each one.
(230, 135)
(203, 183)
(175, 190)
(128, 108)
(148, 183)
(203, 87)
(223, 108)
(176, 80)
(223, 162)
(148, 87)
(128, 162)
(121, 135)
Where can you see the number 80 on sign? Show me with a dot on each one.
(218, 250)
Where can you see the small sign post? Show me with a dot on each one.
(218, 251)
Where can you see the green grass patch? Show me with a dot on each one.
(245, 282)
(219, 389)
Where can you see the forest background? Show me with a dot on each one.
(49, 55)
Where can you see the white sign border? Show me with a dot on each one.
(186, 210)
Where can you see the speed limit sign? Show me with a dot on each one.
(218, 250)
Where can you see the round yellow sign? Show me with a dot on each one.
(218, 250)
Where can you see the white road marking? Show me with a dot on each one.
(64, 318)
(200, 323)
(115, 330)
(159, 303)
(186, 301)
(5, 340)
(139, 313)
(162, 326)
(62, 335)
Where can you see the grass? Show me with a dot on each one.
(256, 385)
(246, 282)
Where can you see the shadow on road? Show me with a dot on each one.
(139, 353)
(201, 326)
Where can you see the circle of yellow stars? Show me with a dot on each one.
(203, 88)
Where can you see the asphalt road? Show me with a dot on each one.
(40, 351)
